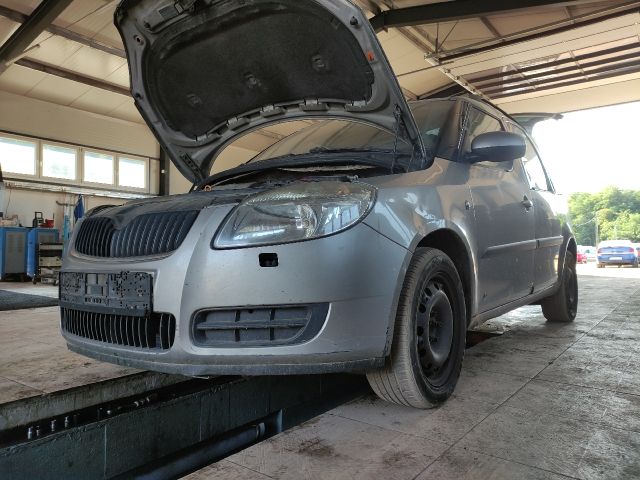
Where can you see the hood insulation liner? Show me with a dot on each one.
(272, 53)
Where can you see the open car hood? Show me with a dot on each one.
(204, 72)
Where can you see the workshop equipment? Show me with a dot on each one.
(38, 219)
(43, 255)
(13, 251)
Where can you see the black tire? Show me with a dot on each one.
(420, 372)
(562, 306)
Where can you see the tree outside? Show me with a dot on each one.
(616, 211)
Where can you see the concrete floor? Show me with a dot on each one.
(40, 378)
(542, 401)
(539, 402)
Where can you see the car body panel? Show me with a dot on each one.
(359, 272)
(333, 53)
(186, 281)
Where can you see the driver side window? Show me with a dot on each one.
(532, 165)
(478, 123)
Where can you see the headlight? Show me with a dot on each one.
(294, 213)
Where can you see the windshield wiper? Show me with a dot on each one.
(278, 163)
(316, 150)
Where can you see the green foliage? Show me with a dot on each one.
(617, 213)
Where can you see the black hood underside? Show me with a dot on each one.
(204, 72)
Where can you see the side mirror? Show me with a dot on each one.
(497, 147)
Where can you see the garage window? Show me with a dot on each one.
(98, 167)
(59, 162)
(18, 156)
(132, 172)
(50, 162)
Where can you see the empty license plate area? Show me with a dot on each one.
(124, 293)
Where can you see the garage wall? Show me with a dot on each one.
(37, 118)
(41, 119)
(25, 202)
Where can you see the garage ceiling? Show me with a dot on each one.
(536, 58)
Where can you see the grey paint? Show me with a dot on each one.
(512, 238)
(194, 156)
(358, 271)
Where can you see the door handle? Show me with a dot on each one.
(527, 203)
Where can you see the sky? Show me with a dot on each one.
(589, 150)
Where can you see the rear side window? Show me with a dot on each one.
(478, 123)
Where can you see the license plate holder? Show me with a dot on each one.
(618, 259)
(122, 293)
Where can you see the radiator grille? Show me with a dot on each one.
(148, 234)
(155, 332)
(262, 326)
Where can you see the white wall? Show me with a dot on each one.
(27, 116)
(25, 202)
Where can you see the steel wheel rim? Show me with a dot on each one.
(434, 329)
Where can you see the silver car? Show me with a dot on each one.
(369, 241)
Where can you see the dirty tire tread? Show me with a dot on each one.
(554, 307)
(396, 382)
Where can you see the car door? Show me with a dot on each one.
(548, 226)
(504, 220)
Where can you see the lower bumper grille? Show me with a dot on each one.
(154, 332)
(255, 327)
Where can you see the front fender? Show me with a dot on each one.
(412, 207)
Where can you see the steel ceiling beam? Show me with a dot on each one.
(542, 34)
(610, 74)
(18, 17)
(556, 63)
(557, 71)
(456, 10)
(74, 76)
(33, 26)
(529, 84)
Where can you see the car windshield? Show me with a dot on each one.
(327, 136)
(331, 135)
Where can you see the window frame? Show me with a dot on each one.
(67, 181)
(99, 151)
(36, 159)
(465, 132)
(518, 129)
(78, 181)
(147, 181)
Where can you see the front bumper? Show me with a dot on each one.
(358, 273)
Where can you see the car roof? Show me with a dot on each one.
(475, 100)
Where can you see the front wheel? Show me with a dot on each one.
(429, 335)
(562, 306)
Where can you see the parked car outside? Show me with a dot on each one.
(617, 253)
(590, 252)
(369, 241)
(581, 257)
